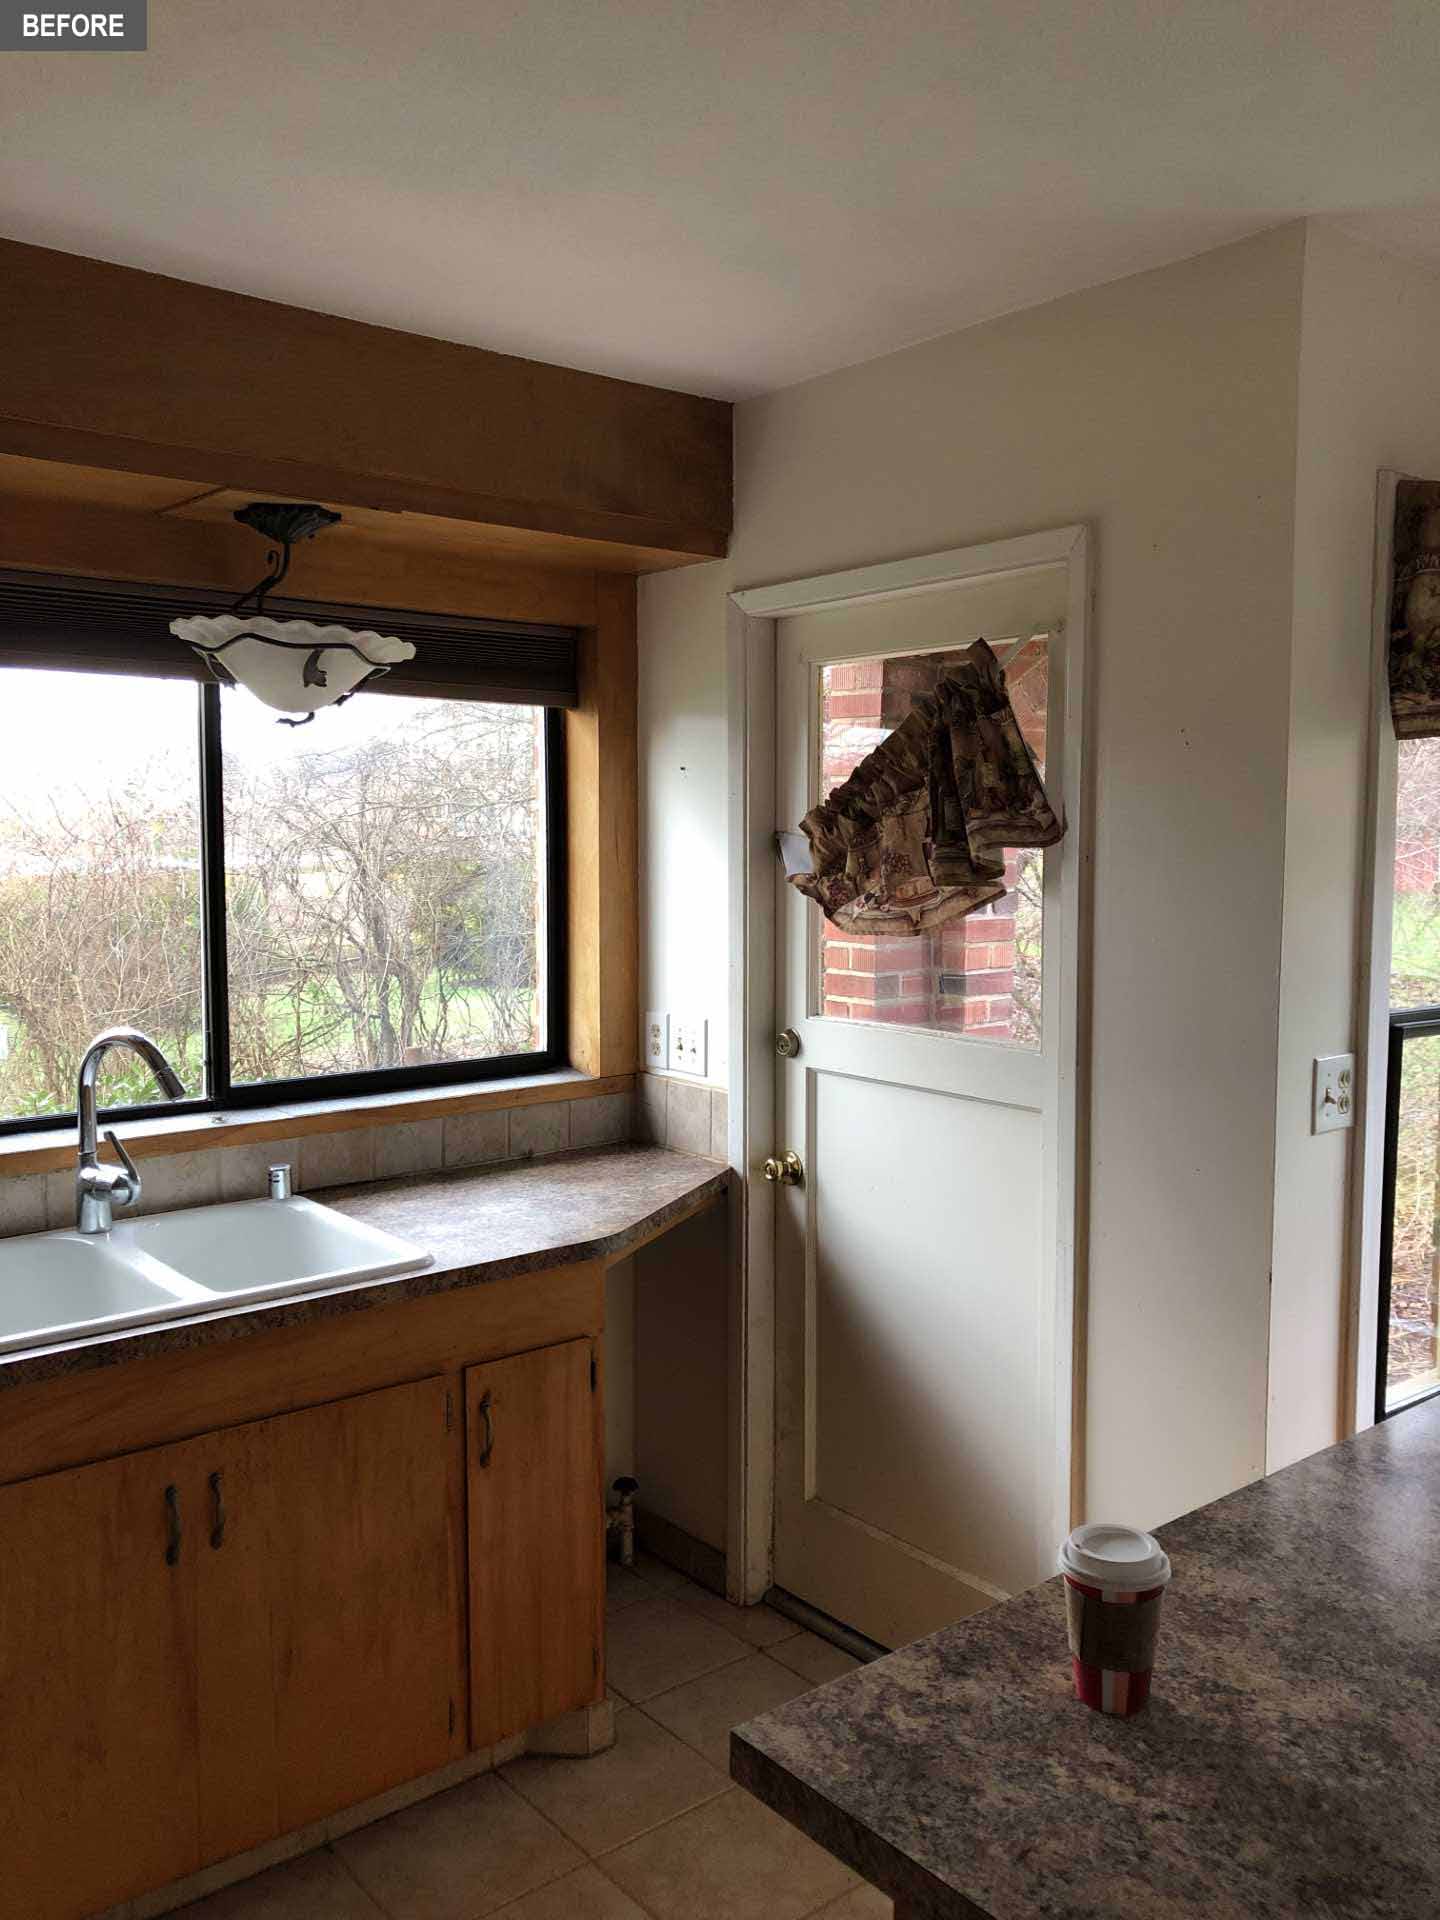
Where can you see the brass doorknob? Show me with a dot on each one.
(785, 1168)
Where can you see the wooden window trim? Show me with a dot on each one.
(52, 1150)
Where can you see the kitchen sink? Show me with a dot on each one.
(57, 1287)
(257, 1249)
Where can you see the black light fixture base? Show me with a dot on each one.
(285, 520)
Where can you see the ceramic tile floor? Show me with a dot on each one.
(651, 1830)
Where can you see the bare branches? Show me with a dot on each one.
(383, 906)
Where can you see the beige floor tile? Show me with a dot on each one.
(730, 1860)
(703, 1711)
(623, 1588)
(658, 1644)
(457, 1856)
(656, 1573)
(758, 1626)
(586, 1895)
(861, 1903)
(647, 1777)
(314, 1887)
(813, 1657)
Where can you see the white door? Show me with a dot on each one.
(923, 1267)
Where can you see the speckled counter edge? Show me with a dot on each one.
(707, 1181)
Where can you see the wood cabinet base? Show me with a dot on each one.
(233, 1632)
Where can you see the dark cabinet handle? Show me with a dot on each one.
(489, 1444)
(172, 1526)
(217, 1511)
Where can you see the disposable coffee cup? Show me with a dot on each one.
(1115, 1580)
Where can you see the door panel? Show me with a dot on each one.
(926, 1253)
(98, 1796)
(230, 1548)
(916, 1305)
(537, 1542)
(364, 1598)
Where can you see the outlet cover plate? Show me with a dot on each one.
(655, 1042)
(689, 1040)
(1333, 1093)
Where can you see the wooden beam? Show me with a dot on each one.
(601, 769)
(113, 543)
(106, 366)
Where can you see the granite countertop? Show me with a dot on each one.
(480, 1223)
(1285, 1769)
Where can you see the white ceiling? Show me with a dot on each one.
(720, 195)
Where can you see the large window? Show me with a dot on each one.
(290, 912)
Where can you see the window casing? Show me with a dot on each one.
(225, 1073)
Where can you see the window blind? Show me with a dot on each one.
(117, 626)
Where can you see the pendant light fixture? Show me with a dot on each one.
(294, 666)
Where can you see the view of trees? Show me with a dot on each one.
(383, 900)
(1415, 982)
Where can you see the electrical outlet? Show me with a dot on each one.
(655, 1047)
(1333, 1093)
(688, 1043)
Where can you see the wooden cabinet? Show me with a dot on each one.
(204, 1645)
(365, 1598)
(535, 1476)
(212, 1640)
(99, 1795)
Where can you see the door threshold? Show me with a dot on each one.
(849, 1640)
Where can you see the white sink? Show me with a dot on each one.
(56, 1286)
(65, 1286)
(258, 1249)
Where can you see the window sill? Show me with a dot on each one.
(51, 1150)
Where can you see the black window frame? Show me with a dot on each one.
(1406, 1023)
(221, 1096)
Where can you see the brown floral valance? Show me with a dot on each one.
(1415, 611)
(916, 835)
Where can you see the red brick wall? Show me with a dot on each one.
(961, 977)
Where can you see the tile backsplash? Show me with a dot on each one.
(683, 1114)
(32, 1202)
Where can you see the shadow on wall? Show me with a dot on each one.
(682, 1290)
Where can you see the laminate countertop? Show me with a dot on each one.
(479, 1223)
(1285, 1768)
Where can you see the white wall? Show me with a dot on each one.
(1367, 400)
(1162, 411)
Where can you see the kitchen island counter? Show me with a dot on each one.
(1285, 1768)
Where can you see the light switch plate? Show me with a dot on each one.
(655, 1042)
(689, 1039)
(1333, 1093)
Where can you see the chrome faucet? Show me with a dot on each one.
(100, 1189)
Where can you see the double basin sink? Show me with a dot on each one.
(58, 1287)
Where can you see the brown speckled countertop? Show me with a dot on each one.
(480, 1224)
(1285, 1769)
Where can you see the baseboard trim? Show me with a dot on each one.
(698, 1561)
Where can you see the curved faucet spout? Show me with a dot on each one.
(98, 1188)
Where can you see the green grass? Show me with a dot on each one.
(1415, 948)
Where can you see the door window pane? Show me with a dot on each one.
(99, 883)
(978, 976)
(385, 886)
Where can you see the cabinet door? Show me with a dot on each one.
(364, 1597)
(98, 1747)
(537, 1539)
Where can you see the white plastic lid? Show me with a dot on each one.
(1119, 1558)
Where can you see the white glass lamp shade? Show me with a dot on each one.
(271, 658)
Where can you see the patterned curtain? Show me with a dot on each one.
(1415, 611)
(916, 835)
